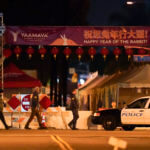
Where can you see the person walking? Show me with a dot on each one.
(74, 106)
(35, 109)
(1, 110)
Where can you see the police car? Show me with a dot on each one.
(136, 114)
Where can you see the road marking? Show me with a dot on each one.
(117, 143)
(62, 144)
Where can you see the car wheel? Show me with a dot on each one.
(109, 123)
(128, 127)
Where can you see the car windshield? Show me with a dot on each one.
(138, 103)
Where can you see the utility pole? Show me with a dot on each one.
(2, 29)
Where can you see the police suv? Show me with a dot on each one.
(136, 114)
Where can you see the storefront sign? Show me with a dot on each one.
(141, 58)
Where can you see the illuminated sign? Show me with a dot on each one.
(78, 35)
(141, 58)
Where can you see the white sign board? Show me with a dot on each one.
(25, 102)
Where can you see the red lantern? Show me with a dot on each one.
(117, 52)
(55, 51)
(129, 52)
(67, 52)
(30, 51)
(7, 52)
(92, 52)
(79, 52)
(141, 51)
(104, 51)
(42, 51)
(17, 51)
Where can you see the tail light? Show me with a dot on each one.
(96, 114)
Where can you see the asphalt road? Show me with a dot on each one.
(73, 140)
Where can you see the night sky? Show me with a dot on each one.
(74, 12)
(38, 12)
(101, 10)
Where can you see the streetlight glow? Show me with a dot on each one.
(130, 2)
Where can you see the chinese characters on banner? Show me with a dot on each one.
(78, 35)
(116, 37)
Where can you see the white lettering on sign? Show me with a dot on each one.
(26, 103)
(37, 35)
(131, 114)
(90, 41)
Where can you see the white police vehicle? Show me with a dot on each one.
(136, 114)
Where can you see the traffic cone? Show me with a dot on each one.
(43, 120)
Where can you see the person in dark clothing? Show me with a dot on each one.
(1, 111)
(74, 106)
(35, 109)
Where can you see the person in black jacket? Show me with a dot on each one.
(35, 109)
(74, 106)
(1, 111)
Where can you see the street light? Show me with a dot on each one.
(130, 2)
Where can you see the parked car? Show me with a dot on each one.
(136, 114)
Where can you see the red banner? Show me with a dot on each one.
(78, 36)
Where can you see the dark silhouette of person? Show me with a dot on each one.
(74, 106)
(35, 109)
(1, 111)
